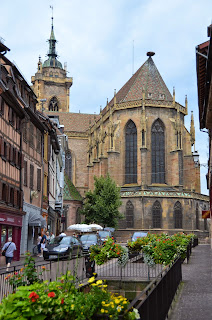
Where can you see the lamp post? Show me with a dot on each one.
(195, 155)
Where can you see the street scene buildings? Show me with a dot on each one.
(49, 156)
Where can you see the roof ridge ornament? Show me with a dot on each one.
(150, 54)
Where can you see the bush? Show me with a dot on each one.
(62, 300)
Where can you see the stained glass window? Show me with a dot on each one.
(158, 152)
(131, 153)
(178, 217)
(156, 215)
(129, 214)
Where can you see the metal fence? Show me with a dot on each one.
(154, 302)
(135, 269)
(53, 270)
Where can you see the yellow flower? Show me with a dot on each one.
(92, 279)
(80, 285)
(93, 284)
(106, 311)
(99, 282)
(104, 285)
(103, 302)
(21, 269)
(72, 307)
(124, 302)
(119, 308)
(116, 301)
(102, 310)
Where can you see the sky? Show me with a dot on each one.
(104, 42)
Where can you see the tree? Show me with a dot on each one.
(101, 205)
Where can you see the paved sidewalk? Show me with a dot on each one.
(195, 299)
(17, 263)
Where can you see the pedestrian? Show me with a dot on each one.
(62, 234)
(47, 237)
(43, 243)
(52, 236)
(38, 243)
(9, 248)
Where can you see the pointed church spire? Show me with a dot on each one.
(192, 130)
(52, 54)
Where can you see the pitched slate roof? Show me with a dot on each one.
(146, 78)
(75, 122)
(69, 191)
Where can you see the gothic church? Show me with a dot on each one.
(139, 138)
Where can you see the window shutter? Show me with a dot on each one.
(15, 197)
(21, 199)
(31, 176)
(39, 179)
(8, 151)
(8, 194)
(16, 157)
(25, 173)
(22, 160)
(11, 153)
(49, 148)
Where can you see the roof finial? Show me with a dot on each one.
(150, 53)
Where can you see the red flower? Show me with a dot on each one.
(33, 296)
(51, 294)
(62, 301)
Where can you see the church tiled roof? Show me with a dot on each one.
(75, 122)
(69, 191)
(147, 78)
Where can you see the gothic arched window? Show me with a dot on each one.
(158, 152)
(78, 216)
(53, 104)
(68, 164)
(197, 216)
(178, 217)
(131, 153)
(129, 214)
(156, 215)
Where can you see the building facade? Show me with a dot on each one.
(204, 86)
(140, 139)
(11, 153)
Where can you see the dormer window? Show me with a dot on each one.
(149, 95)
(162, 96)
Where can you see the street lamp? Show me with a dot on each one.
(60, 197)
(196, 158)
(42, 102)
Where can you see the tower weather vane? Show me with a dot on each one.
(52, 12)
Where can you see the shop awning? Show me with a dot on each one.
(36, 220)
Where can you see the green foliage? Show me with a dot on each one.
(26, 275)
(101, 205)
(109, 250)
(161, 248)
(62, 300)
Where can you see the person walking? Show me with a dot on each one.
(43, 243)
(52, 236)
(9, 248)
(47, 237)
(39, 244)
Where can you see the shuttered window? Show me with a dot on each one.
(31, 176)
(39, 179)
(31, 136)
(1, 105)
(38, 141)
(158, 152)
(25, 173)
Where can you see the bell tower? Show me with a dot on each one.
(50, 83)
